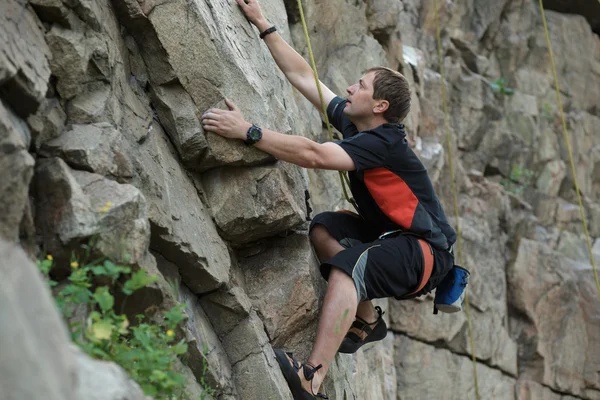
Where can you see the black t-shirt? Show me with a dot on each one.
(390, 184)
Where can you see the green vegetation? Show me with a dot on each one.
(520, 178)
(147, 351)
(498, 86)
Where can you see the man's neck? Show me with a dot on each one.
(372, 123)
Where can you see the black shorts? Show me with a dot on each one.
(390, 267)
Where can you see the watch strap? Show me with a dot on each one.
(267, 31)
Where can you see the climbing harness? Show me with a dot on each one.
(454, 193)
(343, 176)
(568, 144)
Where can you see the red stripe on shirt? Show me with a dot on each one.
(392, 195)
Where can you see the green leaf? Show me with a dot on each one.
(123, 326)
(95, 316)
(180, 348)
(509, 91)
(142, 334)
(175, 315)
(45, 266)
(104, 299)
(138, 280)
(102, 330)
(495, 87)
(98, 270)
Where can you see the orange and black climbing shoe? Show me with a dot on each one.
(361, 332)
(290, 367)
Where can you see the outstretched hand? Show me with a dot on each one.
(252, 11)
(227, 123)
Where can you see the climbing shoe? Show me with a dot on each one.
(290, 367)
(361, 332)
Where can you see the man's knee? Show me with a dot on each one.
(340, 279)
(319, 234)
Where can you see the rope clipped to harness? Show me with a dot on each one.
(343, 176)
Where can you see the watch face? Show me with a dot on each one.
(254, 133)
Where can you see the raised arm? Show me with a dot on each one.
(294, 67)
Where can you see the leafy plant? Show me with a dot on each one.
(498, 86)
(520, 178)
(147, 351)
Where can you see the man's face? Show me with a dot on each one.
(360, 97)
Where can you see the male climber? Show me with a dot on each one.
(400, 244)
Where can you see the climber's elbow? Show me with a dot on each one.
(328, 156)
(309, 157)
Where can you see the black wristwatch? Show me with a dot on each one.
(253, 135)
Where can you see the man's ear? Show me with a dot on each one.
(381, 106)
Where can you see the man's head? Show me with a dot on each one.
(380, 93)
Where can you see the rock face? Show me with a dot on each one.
(553, 295)
(77, 205)
(101, 141)
(17, 166)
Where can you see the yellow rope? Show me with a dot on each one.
(566, 136)
(454, 194)
(343, 177)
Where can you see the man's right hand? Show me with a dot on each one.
(295, 68)
(252, 11)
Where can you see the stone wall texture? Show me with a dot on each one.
(100, 101)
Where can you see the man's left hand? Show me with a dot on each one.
(227, 123)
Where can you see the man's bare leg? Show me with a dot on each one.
(337, 314)
(326, 247)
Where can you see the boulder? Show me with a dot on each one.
(289, 304)
(253, 203)
(382, 17)
(573, 246)
(73, 206)
(103, 380)
(34, 340)
(177, 113)
(95, 148)
(256, 372)
(70, 57)
(91, 105)
(229, 306)
(551, 178)
(48, 123)
(182, 229)
(50, 10)
(16, 165)
(24, 69)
